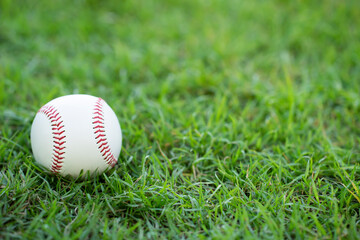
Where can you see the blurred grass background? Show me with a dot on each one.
(260, 98)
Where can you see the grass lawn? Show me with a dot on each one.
(240, 119)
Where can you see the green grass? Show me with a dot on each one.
(240, 119)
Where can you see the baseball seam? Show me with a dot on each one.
(100, 135)
(58, 134)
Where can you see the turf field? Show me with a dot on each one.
(240, 119)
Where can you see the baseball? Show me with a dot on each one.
(76, 133)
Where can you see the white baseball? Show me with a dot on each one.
(74, 133)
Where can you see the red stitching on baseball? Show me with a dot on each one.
(99, 132)
(106, 152)
(57, 124)
(98, 117)
(59, 133)
(57, 128)
(99, 113)
(55, 116)
(59, 148)
(58, 136)
(55, 120)
(100, 135)
(59, 143)
(101, 140)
